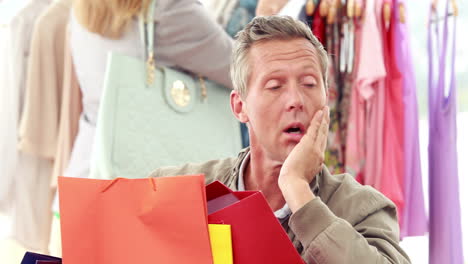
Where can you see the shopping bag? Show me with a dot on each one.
(221, 243)
(257, 236)
(121, 221)
(35, 258)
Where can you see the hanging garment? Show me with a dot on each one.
(445, 242)
(15, 31)
(318, 25)
(39, 122)
(375, 113)
(7, 119)
(364, 138)
(354, 42)
(31, 174)
(333, 155)
(414, 221)
(390, 180)
(70, 111)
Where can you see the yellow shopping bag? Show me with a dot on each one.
(221, 243)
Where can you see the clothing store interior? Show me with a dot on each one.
(103, 102)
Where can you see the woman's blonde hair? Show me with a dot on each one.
(108, 18)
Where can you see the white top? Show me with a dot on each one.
(281, 213)
(24, 178)
(16, 25)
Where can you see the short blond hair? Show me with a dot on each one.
(108, 18)
(269, 28)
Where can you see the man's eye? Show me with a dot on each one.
(274, 87)
(309, 81)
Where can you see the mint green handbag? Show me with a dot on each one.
(152, 116)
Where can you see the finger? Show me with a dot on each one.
(322, 136)
(326, 111)
(325, 114)
(315, 124)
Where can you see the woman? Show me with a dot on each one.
(185, 37)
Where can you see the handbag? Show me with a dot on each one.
(121, 221)
(153, 116)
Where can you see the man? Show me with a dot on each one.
(279, 72)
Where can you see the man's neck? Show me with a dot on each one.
(262, 174)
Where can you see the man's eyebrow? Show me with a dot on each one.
(272, 72)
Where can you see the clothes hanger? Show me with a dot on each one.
(454, 12)
(387, 12)
(350, 8)
(334, 6)
(358, 8)
(323, 8)
(401, 14)
(311, 5)
(455, 7)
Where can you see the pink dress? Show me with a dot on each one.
(365, 124)
(391, 177)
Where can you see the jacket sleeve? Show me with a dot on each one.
(189, 38)
(369, 234)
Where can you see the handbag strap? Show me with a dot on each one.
(146, 26)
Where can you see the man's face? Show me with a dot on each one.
(285, 89)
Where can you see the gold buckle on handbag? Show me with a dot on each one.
(180, 93)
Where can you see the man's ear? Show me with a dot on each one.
(238, 107)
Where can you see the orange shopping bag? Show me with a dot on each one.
(121, 221)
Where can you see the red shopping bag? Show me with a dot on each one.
(121, 221)
(257, 236)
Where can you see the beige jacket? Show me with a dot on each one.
(44, 81)
(346, 223)
(70, 111)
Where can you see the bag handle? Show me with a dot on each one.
(152, 181)
(146, 25)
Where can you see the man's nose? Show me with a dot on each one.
(295, 97)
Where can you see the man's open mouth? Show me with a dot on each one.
(296, 128)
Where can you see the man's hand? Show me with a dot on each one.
(304, 162)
